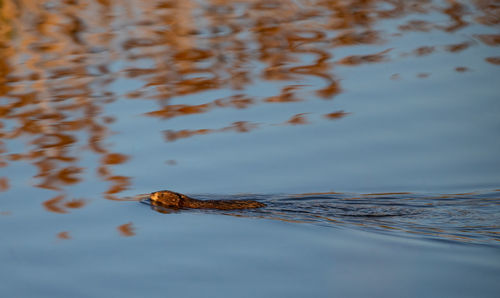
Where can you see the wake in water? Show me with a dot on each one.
(471, 218)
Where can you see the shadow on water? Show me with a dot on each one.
(467, 218)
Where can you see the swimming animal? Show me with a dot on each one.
(174, 200)
(414, 213)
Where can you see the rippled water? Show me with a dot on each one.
(382, 113)
(469, 218)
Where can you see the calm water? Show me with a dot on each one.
(369, 128)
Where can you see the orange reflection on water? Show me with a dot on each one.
(298, 119)
(239, 126)
(60, 61)
(4, 184)
(355, 60)
(352, 37)
(456, 11)
(287, 95)
(336, 115)
(54, 204)
(119, 184)
(75, 203)
(489, 39)
(416, 25)
(126, 230)
(493, 60)
(59, 205)
(64, 235)
(461, 69)
(114, 159)
(424, 51)
(171, 111)
(458, 47)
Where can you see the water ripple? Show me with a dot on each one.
(468, 218)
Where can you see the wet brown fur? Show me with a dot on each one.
(173, 200)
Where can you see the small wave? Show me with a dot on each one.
(467, 218)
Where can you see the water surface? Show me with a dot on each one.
(382, 114)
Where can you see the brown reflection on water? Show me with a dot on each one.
(61, 58)
(64, 235)
(126, 230)
(424, 51)
(493, 60)
(54, 86)
(355, 60)
(454, 48)
(489, 39)
(238, 126)
(298, 119)
(335, 115)
(456, 11)
(462, 69)
(4, 184)
(58, 204)
(54, 205)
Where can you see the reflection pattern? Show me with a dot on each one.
(60, 58)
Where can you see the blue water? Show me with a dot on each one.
(369, 128)
(189, 254)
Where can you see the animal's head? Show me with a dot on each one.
(167, 198)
